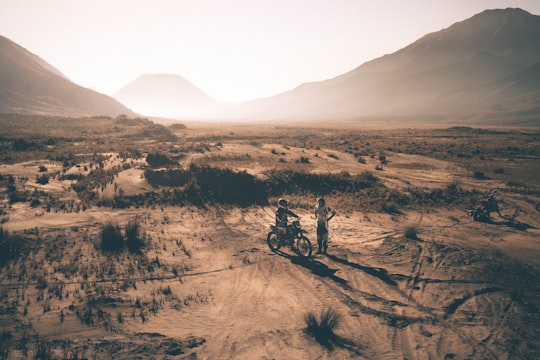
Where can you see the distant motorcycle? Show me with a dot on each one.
(295, 236)
(488, 205)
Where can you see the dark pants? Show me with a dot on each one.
(322, 238)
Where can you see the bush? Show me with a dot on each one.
(111, 238)
(42, 179)
(134, 238)
(288, 181)
(411, 232)
(389, 207)
(159, 160)
(479, 175)
(11, 246)
(21, 145)
(322, 328)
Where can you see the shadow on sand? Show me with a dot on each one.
(513, 224)
(315, 267)
(377, 272)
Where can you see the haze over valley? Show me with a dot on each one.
(489, 76)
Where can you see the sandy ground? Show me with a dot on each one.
(461, 290)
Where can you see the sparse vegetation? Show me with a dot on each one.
(213, 193)
(323, 326)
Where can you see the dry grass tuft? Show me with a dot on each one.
(322, 327)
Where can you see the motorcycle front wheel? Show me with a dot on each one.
(304, 246)
(273, 242)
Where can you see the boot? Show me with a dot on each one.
(319, 247)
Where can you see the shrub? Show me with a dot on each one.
(21, 145)
(389, 207)
(42, 180)
(159, 160)
(173, 177)
(322, 328)
(111, 238)
(479, 175)
(411, 232)
(11, 246)
(333, 156)
(288, 181)
(134, 238)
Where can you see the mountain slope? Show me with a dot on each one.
(29, 85)
(516, 96)
(165, 95)
(417, 79)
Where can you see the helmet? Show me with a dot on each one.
(321, 199)
(282, 202)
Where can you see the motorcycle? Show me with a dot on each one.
(489, 204)
(295, 234)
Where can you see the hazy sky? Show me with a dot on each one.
(233, 50)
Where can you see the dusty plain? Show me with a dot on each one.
(408, 272)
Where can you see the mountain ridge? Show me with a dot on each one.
(30, 85)
(416, 79)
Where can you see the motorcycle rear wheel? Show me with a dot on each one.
(273, 242)
(481, 215)
(304, 246)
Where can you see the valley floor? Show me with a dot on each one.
(425, 282)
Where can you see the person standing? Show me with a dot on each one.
(323, 214)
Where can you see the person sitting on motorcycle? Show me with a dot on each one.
(282, 213)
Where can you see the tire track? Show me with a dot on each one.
(398, 321)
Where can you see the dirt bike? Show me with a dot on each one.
(295, 234)
(489, 204)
